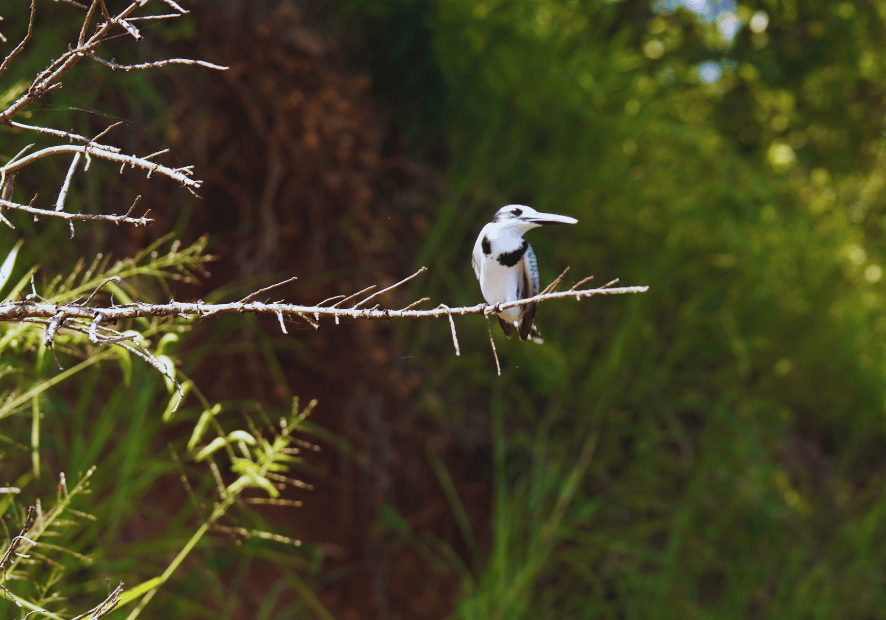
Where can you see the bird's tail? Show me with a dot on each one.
(535, 335)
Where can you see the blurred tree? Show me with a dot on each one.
(730, 157)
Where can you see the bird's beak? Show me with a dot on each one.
(542, 219)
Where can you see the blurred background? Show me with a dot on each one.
(713, 448)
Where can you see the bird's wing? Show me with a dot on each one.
(530, 268)
(477, 256)
(530, 289)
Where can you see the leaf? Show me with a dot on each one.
(125, 362)
(214, 445)
(203, 424)
(242, 436)
(9, 263)
(176, 400)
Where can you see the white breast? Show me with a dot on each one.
(498, 283)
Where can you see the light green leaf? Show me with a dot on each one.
(9, 263)
(214, 445)
(242, 436)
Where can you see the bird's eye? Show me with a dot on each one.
(517, 212)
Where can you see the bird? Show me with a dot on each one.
(506, 266)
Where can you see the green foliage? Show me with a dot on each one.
(83, 419)
(99, 417)
(739, 403)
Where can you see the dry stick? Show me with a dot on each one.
(103, 152)
(416, 303)
(47, 79)
(452, 326)
(15, 157)
(63, 194)
(146, 17)
(17, 311)
(24, 42)
(393, 286)
(98, 288)
(154, 65)
(55, 316)
(267, 288)
(550, 287)
(64, 134)
(580, 282)
(117, 219)
(282, 325)
(492, 342)
(350, 297)
(331, 299)
(88, 18)
(174, 5)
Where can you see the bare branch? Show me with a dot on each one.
(21, 46)
(174, 6)
(154, 65)
(63, 194)
(98, 217)
(350, 297)
(18, 311)
(99, 287)
(265, 289)
(182, 175)
(492, 342)
(452, 327)
(416, 303)
(89, 13)
(65, 134)
(553, 285)
(392, 287)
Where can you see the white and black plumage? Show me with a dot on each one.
(506, 266)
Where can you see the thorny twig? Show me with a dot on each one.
(50, 79)
(75, 316)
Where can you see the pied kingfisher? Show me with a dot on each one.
(506, 267)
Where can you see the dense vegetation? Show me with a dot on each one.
(712, 448)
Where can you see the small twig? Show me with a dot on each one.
(416, 303)
(174, 6)
(147, 17)
(62, 134)
(12, 550)
(98, 288)
(350, 297)
(550, 287)
(93, 325)
(116, 219)
(452, 327)
(331, 299)
(313, 324)
(89, 13)
(52, 329)
(282, 325)
(63, 194)
(105, 131)
(157, 64)
(105, 607)
(492, 342)
(17, 311)
(21, 46)
(152, 155)
(580, 282)
(15, 157)
(267, 288)
(107, 153)
(403, 281)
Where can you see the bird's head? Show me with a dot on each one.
(522, 218)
